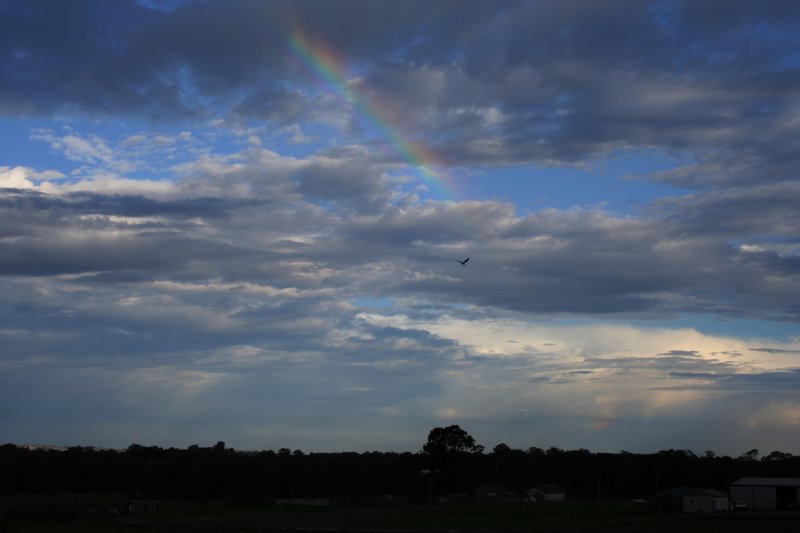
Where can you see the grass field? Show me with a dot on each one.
(564, 517)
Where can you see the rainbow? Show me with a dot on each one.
(329, 68)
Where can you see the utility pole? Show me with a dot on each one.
(349, 505)
(658, 500)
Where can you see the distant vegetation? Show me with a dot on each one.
(453, 468)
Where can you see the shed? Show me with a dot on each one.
(767, 492)
(692, 500)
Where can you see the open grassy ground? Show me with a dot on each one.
(594, 516)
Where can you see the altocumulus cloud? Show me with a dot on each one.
(211, 243)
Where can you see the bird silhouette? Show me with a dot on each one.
(464, 262)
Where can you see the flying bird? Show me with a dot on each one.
(464, 262)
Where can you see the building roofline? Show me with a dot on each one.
(767, 482)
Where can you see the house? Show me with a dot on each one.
(546, 493)
(706, 501)
(766, 492)
(691, 500)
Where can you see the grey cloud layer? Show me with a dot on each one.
(546, 262)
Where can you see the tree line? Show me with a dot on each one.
(449, 464)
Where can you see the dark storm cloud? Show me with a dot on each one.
(662, 76)
(486, 83)
(59, 55)
(124, 57)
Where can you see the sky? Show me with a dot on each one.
(241, 221)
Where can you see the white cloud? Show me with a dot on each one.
(294, 133)
(76, 147)
(25, 177)
(110, 184)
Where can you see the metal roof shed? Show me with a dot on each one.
(767, 492)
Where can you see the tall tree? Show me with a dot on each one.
(451, 440)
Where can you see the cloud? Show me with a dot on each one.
(786, 380)
(257, 203)
(773, 350)
(231, 296)
(521, 83)
(681, 353)
(77, 148)
(25, 178)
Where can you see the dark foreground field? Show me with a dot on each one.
(565, 517)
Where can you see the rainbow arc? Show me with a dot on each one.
(327, 66)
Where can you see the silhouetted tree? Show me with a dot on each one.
(450, 441)
(776, 456)
(751, 455)
(450, 450)
(501, 448)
